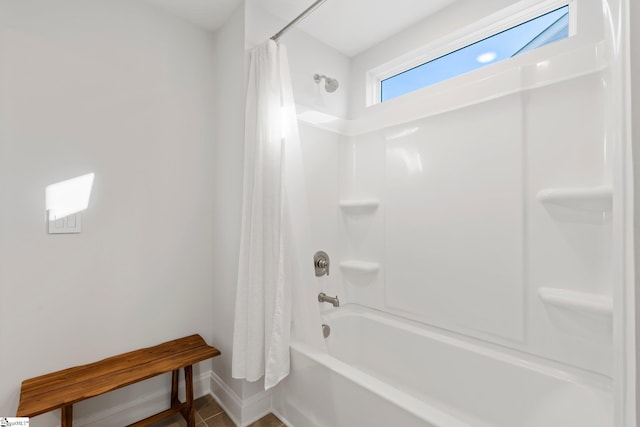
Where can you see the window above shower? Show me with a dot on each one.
(472, 49)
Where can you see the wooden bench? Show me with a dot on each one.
(60, 390)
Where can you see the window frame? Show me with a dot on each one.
(496, 23)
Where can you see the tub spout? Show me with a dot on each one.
(322, 297)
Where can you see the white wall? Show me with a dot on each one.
(125, 91)
(227, 184)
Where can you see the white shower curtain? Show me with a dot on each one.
(265, 271)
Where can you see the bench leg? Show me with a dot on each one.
(175, 402)
(188, 412)
(67, 416)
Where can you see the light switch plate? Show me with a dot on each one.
(68, 224)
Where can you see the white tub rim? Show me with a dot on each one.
(514, 357)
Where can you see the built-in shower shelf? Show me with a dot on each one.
(594, 199)
(577, 301)
(357, 266)
(359, 205)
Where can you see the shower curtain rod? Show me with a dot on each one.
(297, 19)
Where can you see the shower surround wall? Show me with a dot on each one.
(464, 241)
(495, 213)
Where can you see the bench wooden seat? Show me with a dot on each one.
(60, 390)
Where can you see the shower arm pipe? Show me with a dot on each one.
(297, 19)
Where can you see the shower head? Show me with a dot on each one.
(330, 85)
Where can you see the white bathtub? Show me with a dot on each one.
(382, 370)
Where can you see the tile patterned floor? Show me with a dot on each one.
(210, 414)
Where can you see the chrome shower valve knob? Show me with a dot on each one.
(321, 263)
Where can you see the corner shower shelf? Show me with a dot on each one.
(360, 266)
(579, 301)
(359, 205)
(594, 199)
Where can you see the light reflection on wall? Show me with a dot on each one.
(68, 197)
(411, 159)
(402, 133)
(316, 117)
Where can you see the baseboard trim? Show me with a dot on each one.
(282, 418)
(242, 412)
(226, 397)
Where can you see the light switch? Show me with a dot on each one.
(68, 224)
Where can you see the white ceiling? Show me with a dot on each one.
(210, 14)
(352, 26)
(349, 26)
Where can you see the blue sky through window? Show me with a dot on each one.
(527, 36)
